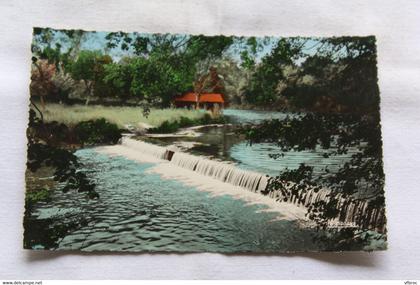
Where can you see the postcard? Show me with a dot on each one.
(192, 143)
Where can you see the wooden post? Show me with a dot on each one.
(197, 100)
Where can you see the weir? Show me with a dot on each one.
(219, 170)
(145, 148)
(351, 211)
(225, 172)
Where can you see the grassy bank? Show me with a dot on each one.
(171, 126)
(71, 115)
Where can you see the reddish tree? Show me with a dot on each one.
(42, 84)
(210, 82)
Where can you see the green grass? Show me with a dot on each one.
(172, 126)
(33, 197)
(71, 115)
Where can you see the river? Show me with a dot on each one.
(224, 144)
(139, 211)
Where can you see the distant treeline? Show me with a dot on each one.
(320, 74)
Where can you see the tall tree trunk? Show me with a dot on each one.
(42, 102)
(197, 100)
(88, 92)
(42, 78)
(36, 108)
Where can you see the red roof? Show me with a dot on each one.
(212, 98)
(187, 97)
(204, 98)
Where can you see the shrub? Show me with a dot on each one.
(172, 126)
(97, 132)
(33, 197)
(165, 128)
(207, 119)
(185, 122)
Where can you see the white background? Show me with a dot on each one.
(396, 25)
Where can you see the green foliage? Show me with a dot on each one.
(342, 76)
(262, 88)
(356, 85)
(341, 71)
(90, 67)
(347, 239)
(249, 51)
(100, 87)
(118, 78)
(186, 122)
(200, 47)
(32, 197)
(83, 68)
(65, 164)
(48, 232)
(183, 122)
(89, 132)
(335, 133)
(97, 131)
(208, 119)
(247, 61)
(156, 80)
(345, 72)
(164, 67)
(303, 97)
(42, 152)
(165, 128)
(297, 133)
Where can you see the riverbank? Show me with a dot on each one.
(121, 116)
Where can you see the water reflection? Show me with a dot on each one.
(139, 211)
(225, 144)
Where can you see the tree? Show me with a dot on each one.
(165, 65)
(89, 68)
(42, 84)
(235, 79)
(335, 133)
(262, 88)
(208, 81)
(45, 38)
(156, 80)
(355, 85)
(344, 69)
(47, 46)
(100, 87)
(343, 77)
(118, 78)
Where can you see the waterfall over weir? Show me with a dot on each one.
(222, 171)
(356, 212)
(219, 170)
(145, 148)
(351, 211)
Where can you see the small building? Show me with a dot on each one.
(207, 101)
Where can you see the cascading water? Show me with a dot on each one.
(350, 210)
(219, 170)
(145, 148)
(222, 171)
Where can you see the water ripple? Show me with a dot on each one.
(139, 211)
